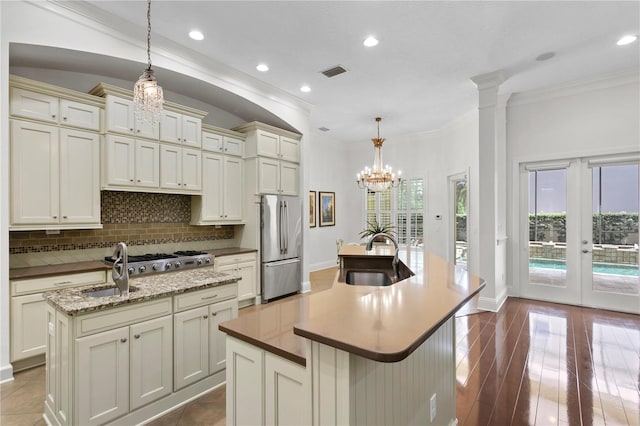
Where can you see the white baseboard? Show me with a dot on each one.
(493, 304)
(6, 373)
(323, 265)
(306, 286)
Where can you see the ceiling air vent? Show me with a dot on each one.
(333, 71)
(324, 129)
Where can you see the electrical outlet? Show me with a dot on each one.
(432, 406)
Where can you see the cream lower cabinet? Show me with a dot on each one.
(277, 177)
(244, 266)
(256, 378)
(28, 314)
(199, 346)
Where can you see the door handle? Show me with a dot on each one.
(586, 251)
(585, 242)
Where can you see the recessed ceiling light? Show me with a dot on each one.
(196, 35)
(545, 56)
(305, 89)
(628, 39)
(262, 67)
(370, 41)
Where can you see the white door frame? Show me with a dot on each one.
(451, 179)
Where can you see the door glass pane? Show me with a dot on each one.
(615, 229)
(460, 221)
(547, 227)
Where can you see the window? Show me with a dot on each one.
(403, 207)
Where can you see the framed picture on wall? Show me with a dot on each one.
(327, 208)
(312, 209)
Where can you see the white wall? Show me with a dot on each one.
(330, 170)
(578, 120)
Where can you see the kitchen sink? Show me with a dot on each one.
(106, 292)
(375, 278)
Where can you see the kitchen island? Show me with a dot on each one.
(127, 359)
(353, 354)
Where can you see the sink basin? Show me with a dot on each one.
(105, 292)
(375, 278)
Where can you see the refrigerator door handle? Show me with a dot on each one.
(286, 228)
(280, 226)
(281, 262)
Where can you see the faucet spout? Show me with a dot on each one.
(396, 261)
(120, 270)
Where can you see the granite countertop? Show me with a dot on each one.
(73, 301)
(97, 265)
(380, 323)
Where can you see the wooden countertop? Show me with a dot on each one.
(380, 323)
(97, 265)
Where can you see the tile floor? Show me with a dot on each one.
(532, 363)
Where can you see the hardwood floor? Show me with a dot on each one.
(532, 363)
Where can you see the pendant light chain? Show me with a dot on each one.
(149, 33)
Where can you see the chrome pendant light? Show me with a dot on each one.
(147, 94)
(378, 179)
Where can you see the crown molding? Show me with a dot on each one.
(51, 90)
(576, 87)
(225, 132)
(256, 125)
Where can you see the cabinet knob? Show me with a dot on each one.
(138, 130)
(214, 313)
(205, 316)
(225, 149)
(123, 340)
(53, 116)
(138, 180)
(64, 118)
(131, 180)
(137, 336)
(64, 217)
(55, 217)
(131, 129)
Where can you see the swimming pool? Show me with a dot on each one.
(602, 268)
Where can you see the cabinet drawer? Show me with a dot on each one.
(204, 297)
(119, 317)
(234, 258)
(37, 285)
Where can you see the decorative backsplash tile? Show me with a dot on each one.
(133, 217)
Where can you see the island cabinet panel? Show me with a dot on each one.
(361, 391)
(220, 312)
(245, 383)
(191, 346)
(151, 360)
(287, 397)
(103, 387)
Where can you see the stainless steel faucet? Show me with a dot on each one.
(119, 271)
(396, 261)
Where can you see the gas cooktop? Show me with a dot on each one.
(151, 263)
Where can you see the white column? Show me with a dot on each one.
(491, 194)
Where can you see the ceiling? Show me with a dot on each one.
(417, 78)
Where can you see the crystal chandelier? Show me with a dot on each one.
(147, 95)
(378, 179)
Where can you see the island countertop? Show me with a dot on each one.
(74, 301)
(380, 323)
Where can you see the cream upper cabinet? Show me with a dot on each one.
(276, 146)
(131, 163)
(54, 176)
(180, 168)
(277, 177)
(121, 118)
(47, 108)
(221, 200)
(228, 145)
(181, 129)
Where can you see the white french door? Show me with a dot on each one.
(579, 228)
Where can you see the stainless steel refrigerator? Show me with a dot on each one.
(281, 228)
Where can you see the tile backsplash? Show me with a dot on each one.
(137, 218)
